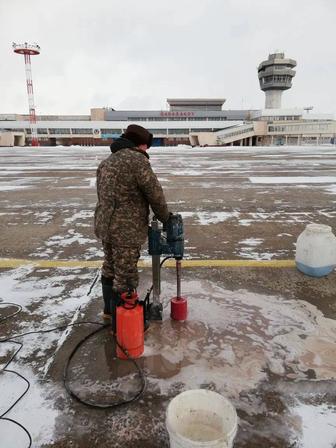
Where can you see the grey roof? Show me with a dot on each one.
(194, 101)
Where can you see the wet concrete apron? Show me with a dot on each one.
(263, 337)
(269, 353)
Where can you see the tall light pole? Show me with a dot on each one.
(29, 50)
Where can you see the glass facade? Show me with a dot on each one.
(170, 118)
(81, 131)
(276, 79)
(111, 131)
(300, 128)
(59, 131)
(158, 131)
(178, 131)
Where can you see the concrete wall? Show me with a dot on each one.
(98, 114)
(6, 139)
(203, 139)
(273, 99)
(260, 127)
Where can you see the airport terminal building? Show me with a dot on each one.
(187, 121)
(169, 127)
(191, 121)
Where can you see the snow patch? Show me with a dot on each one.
(293, 180)
(318, 424)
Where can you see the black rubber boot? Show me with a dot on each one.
(107, 287)
(114, 303)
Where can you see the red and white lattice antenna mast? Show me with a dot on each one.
(29, 50)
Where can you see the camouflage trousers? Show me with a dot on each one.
(120, 264)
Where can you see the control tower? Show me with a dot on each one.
(275, 75)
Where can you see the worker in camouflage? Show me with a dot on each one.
(126, 187)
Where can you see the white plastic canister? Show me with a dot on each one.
(316, 250)
(201, 418)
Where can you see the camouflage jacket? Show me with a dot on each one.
(126, 186)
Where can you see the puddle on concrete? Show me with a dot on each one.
(232, 338)
(234, 342)
(260, 351)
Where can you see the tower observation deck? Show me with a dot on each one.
(275, 75)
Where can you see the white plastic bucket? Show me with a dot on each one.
(201, 418)
(316, 250)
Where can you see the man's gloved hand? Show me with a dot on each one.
(164, 226)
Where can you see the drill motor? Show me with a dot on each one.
(168, 240)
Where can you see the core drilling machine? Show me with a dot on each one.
(167, 240)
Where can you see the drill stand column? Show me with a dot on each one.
(156, 305)
(168, 241)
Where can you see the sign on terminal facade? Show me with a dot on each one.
(177, 114)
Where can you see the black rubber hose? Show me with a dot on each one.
(66, 368)
(98, 405)
(19, 309)
(5, 369)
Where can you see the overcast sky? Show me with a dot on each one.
(133, 54)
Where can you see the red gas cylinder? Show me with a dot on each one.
(130, 326)
(178, 308)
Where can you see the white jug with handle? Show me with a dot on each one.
(316, 250)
